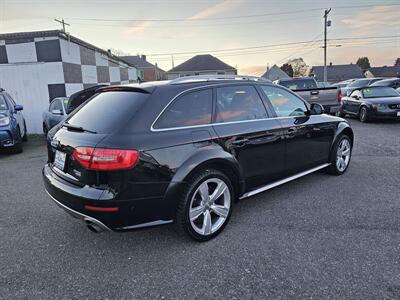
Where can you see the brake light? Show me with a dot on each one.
(106, 159)
(339, 97)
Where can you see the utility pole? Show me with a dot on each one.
(63, 23)
(172, 60)
(327, 24)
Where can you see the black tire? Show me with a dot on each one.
(333, 168)
(25, 137)
(183, 221)
(45, 130)
(18, 146)
(363, 115)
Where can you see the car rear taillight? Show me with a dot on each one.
(339, 96)
(105, 159)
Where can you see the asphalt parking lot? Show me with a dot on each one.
(318, 237)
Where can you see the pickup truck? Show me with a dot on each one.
(307, 88)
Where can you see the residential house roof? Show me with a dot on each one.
(138, 61)
(275, 73)
(385, 71)
(204, 62)
(337, 73)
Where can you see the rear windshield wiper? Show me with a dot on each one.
(77, 128)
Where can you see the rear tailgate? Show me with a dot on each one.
(328, 97)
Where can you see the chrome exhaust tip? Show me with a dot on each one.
(93, 226)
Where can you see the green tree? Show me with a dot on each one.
(397, 62)
(287, 69)
(363, 63)
(299, 67)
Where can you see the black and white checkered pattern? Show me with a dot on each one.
(82, 66)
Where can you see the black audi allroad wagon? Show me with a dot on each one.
(186, 150)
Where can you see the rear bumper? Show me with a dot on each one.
(79, 215)
(131, 213)
(331, 109)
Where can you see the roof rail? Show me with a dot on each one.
(203, 78)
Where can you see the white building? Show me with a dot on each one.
(36, 67)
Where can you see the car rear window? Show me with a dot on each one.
(106, 112)
(299, 84)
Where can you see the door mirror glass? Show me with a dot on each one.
(18, 107)
(316, 109)
(56, 112)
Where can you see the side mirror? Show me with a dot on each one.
(356, 97)
(316, 109)
(56, 112)
(18, 107)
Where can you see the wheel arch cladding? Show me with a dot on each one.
(344, 128)
(207, 157)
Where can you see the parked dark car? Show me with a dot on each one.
(186, 150)
(391, 82)
(372, 102)
(56, 112)
(359, 83)
(61, 107)
(12, 123)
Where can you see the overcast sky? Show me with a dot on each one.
(208, 26)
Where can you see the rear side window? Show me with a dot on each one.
(299, 84)
(285, 103)
(239, 103)
(108, 111)
(190, 109)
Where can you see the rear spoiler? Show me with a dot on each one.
(125, 88)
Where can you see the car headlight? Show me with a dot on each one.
(4, 121)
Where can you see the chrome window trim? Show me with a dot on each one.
(152, 129)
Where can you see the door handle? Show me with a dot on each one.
(314, 92)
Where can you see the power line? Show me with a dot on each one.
(271, 46)
(225, 18)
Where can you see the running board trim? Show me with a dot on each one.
(283, 181)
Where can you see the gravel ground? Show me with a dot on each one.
(318, 237)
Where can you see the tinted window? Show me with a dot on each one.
(379, 92)
(3, 103)
(107, 111)
(188, 110)
(299, 84)
(239, 103)
(285, 103)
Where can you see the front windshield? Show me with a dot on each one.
(3, 103)
(359, 83)
(379, 92)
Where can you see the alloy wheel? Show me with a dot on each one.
(209, 207)
(343, 155)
